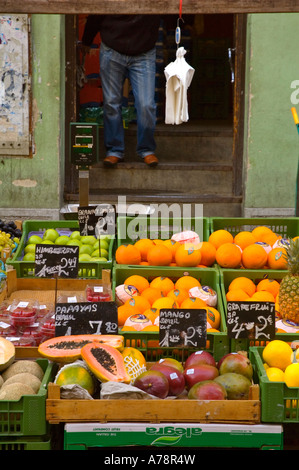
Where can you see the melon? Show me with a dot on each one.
(25, 378)
(15, 391)
(23, 365)
(76, 374)
(7, 353)
(67, 349)
(105, 362)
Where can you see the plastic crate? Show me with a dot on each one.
(27, 416)
(285, 227)
(279, 403)
(26, 444)
(26, 268)
(217, 343)
(130, 229)
(226, 277)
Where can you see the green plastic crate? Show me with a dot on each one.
(87, 270)
(130, 229)
(279, 403)
(27, 416)
(226, 277)
(285, 227)
(26, 444)
(218, 342)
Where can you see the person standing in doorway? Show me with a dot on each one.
(127, 50)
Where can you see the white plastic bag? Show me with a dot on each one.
(178, 75)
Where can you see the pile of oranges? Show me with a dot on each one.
(242, 288)
(141, 311)
(166, 253)
(256, 249)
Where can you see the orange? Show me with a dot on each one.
(178, 295)
(159, 255)
(141, 303)
(270, 285)
(138, 281)
(276, 258)
(124, 312)
(228, 255)
(163, 284)
(127, 254)
(151, 294)
(173, 246)
(270, 238)
(165, 302)
(157, 241)
(244, 283)
(187, 282)
(237, 295)
(188, 255)
(244, 238)
(262, 296)
(151, 314)
(260, 232)
(151, 328)
(208, 253)
(213, 317)
(194, 302)
(254, 257)
(143, 245)
(219, 237)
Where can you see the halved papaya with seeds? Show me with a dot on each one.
(68, 348)
(105, 362)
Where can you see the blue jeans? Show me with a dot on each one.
(141, 70)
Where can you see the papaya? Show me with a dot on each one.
(76, 373)
(105, 362)
(68, 348)
(134, 360)
(7, 353)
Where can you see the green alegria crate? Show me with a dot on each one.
(217, 342)
(284, 227)
(25, 269)
(279, 403)
(27, 416)
(131, 229)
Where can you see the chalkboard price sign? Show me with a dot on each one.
(56, 261)
(183, 328)
(252, 320)
(85, 318)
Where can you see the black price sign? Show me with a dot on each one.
(86, 318)
(183, 327)
(97, 220)
(252, 320)
(56, 261)
(87, 220)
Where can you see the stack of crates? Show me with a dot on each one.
(23, 424)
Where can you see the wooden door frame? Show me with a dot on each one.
(71, 111)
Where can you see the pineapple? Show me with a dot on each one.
(289, 286)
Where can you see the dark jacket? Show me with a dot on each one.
(127, 34)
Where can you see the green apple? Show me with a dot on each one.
(99, 258)
(84, 257)
(34, 239)
(51, 234)
(75, 235)
(88, 239)
(62, 240)
(85, 249)
(101, 243)
(29, 257)
(102, 253)
(30, 248)
(47, 242)
(74, 242)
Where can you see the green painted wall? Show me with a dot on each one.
(36, 182)
(271, 142)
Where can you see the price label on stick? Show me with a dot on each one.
(85, 318)
(182, 327)
(56, 261)
(252, 320)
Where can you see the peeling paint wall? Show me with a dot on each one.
(37, 182)
(271, 145)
